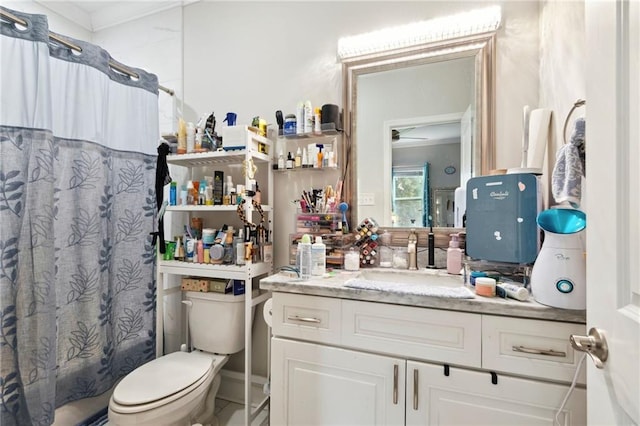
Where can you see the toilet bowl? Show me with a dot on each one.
(180, 388)
(171, 390)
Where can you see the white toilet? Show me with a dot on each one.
(180, 388)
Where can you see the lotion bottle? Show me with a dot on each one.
(454, 255)
(304, 257)
(319, 257)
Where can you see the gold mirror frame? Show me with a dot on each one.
(482, 47)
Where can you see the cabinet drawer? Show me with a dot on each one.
(417, 333)
(306, 317)
(533, 348)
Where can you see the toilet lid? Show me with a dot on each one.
(162, 377)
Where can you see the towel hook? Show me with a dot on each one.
(577, 104)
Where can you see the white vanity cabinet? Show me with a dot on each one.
(339, 361)
(458, 396)
(324, 385)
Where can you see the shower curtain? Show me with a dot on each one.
(77, 204)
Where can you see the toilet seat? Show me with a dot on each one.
(164, 380)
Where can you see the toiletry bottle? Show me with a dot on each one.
(289, 161)
(298, 159)
(281, 163)
(308, 117)
(319, 257)
(300, 118)
(454, 255)
(184, 193)
(257, 197)
(226, 199)
(317, 125)
(304, 158)
(182, 137)
(198, 143)
(200, 251)
(228, 247)
(304, 256)
(238, 243)
(172, 193)
(191, 138)
(319, 162)
(202, 193)
(191, 197)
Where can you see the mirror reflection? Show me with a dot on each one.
(430, 118)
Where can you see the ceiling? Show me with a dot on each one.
(99, 15)
(432, 134)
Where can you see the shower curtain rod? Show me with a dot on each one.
(70, 45)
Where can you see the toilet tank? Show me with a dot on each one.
(216, 322)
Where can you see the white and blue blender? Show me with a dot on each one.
(558, 277)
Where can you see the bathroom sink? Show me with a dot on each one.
(417, 283)
(411, 277)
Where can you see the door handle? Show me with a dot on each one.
(594, 344)
(395, 384)
(415, 389)
(303, 319)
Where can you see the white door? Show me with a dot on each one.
(613, 207)
(466, 397)
(321, 385)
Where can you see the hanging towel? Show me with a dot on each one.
(566, 180)
(162, 179)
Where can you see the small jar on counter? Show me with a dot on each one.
(485, 286)
(352, 260)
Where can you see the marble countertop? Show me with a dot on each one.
(333, 285)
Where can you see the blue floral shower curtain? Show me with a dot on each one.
(77, 203)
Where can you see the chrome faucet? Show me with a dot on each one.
(412, 249)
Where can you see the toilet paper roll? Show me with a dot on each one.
(266, 312)
(539, 122)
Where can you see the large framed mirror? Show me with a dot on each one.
(419, 123)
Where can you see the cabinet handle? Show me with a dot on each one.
(395, 384)
(303, 319)
(415, 389)
(549, 352)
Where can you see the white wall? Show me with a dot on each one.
(153, 43)
(562, 72)
(57, 23)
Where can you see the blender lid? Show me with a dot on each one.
(562, 221)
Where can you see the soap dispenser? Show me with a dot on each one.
(454, 255)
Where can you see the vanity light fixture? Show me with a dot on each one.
(464, 24)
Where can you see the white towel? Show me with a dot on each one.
(413, 289)
(566, 180)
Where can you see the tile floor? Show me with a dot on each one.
(228, 413)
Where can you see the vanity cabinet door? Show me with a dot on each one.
(465, 397)
(320, 385)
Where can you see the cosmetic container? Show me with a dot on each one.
(173, 193)
(319, 257)
(485, 286)
(454, 256)
(304, 257)
(514, 291)
(352, 260)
